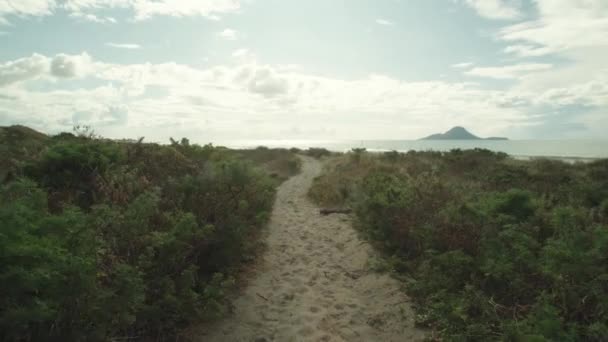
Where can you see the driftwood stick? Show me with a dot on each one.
(348, 273)
(264, 298)
(327, 211)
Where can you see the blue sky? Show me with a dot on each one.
(316, 69)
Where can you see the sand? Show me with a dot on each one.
(314, 282)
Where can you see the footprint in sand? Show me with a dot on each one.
(314, 309)
(306, 331)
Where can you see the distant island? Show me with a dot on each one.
(459, 133)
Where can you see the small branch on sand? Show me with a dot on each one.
(264, 298)
(349, 274)
(327, 211)
(401, 302)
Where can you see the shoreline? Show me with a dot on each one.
(566, 158)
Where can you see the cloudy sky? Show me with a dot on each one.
(314, 69)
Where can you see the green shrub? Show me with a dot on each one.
(385, 206)
(357, 153)
(392, 156)
(47, 266)
(497, 249)
(604, 210)
(115, 240)
(514, 205)
(280, 163)
(76, 169)
(317, 152)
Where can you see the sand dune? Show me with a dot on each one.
(314, 282)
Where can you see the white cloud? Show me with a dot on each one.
(240, 53)
(271, 99)
(147, 8)
(93, 18)
(562, 25)
(462, 65)
(142, 9)
(496, 9)
(509, 71)
(253, 100)
(69, 66)
(266, 82)
(85, 5)
(592, 93)
(228, 34)
(37, 66)
(124, 46)
(99, 116)
(23, 69)
(575, 31)
(26, 8)
(528, 50)
(244, 55)
(384, 22)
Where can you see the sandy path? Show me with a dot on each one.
(314, 282)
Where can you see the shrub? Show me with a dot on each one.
(357, 153)
(115, 240)
(75, 169)
(497, 249)
(514, 205)
(278, 163)
(47, 267)
(317, 152)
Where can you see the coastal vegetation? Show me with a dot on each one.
(125, 240)
(491, 248)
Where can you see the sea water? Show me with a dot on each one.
(574, 149)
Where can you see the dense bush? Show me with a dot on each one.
(104, 240)
(278, 162)
(317, 152)
(497, 249)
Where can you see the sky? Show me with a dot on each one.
(216, 70)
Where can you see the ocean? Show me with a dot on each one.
(564, 149)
